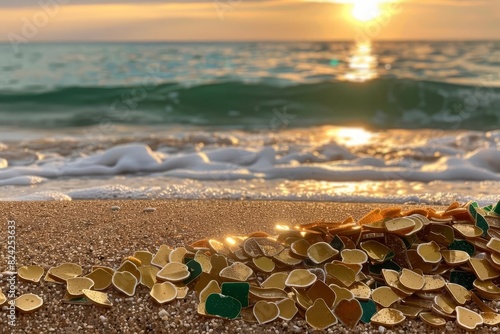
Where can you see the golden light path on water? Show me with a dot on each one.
(350, 136)
(362, 64)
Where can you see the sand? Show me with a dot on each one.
(90, 233)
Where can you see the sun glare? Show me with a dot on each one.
(231, 241)
(365, 10)
(350, 136)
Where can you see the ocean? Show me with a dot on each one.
(400, 122)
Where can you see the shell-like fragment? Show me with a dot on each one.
(163, 292)
(28, 302)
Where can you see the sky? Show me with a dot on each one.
(245, 20)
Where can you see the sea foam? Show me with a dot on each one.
(239, 164)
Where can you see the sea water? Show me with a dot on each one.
(396, 122)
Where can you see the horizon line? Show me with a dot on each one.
(248, 41)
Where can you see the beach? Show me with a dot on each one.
(92, 233)
(213, 166)
(139, 150)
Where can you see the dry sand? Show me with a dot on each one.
(90, 233)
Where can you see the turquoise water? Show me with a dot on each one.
(447, 85)
(391, 122)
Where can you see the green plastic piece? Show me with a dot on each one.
(482, 224)
(478, 218)
(195, 271)
(369, 309)
(462, 278)
(238, 290)
(376, 269)
(309, 263)
(222, 306)
(462, 245)
(496, 208)
(389, 256)
(337, 243)
(79, 301)
(410, 240)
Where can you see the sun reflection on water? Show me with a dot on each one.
(362, 64)
(350, 136)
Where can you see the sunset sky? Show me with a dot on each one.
(239, 20)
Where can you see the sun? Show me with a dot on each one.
(365, 10)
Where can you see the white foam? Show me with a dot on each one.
(231, 163)
(249, 158)
(22, 181)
